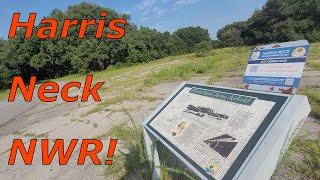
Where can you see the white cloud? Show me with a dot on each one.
(158, 8)
(159, 11)
(186, 2)
(146, 4)
(148, 7)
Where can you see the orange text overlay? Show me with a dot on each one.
(47, 92)
(49, 26)
(18, 147)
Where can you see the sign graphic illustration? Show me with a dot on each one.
(201, 111)
(223, 144)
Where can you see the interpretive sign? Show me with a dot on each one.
(276, 67)
(214, 129)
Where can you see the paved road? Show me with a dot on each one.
(10, 110)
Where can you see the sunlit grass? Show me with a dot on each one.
(309, 166)
(216, 65)
(314, 99)
(131, 162)
(4, 94)
(134, 161)
(314, 64)
(119, 99)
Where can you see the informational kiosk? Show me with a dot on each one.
(276, 67)
(225, 133)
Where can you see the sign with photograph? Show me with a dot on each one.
(214, 129)
(276, 67)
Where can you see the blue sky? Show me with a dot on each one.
(164, 15)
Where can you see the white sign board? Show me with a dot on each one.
(276, 67)
(214, 129)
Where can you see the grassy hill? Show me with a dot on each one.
(129, 83)
(215, 64)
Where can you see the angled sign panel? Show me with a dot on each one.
(276, 67)
(212, 129)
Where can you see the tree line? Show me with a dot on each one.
(52, 58)
(276, 21)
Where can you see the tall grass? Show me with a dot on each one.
(314, 99)
(314, 57)
(184, 71)
(216, 64)
(314, 64)
(131, 162)
(3, 94)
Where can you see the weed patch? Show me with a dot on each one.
(309, 167)
(216, 64)
(119, 99)
(314, 99)
(133, 161)
(314, 65)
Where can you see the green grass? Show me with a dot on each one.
(113, 71)
(309, 166)
(115, 77)
(313, 60)
(119, 99)
(131, 162)
(314, 64)
(216, 64)
(134, 162)
(308, 150)
(125, 83)
(314, 99)
(182, 71)
(4, 94)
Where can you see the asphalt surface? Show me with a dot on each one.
(10, 110)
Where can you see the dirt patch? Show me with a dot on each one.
(310, 129)
(310, 78)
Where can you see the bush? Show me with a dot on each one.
(202, 48)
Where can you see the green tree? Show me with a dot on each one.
(202, 48)
(230, 35)
(192, 36)
(276, 21)
(51, 58)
